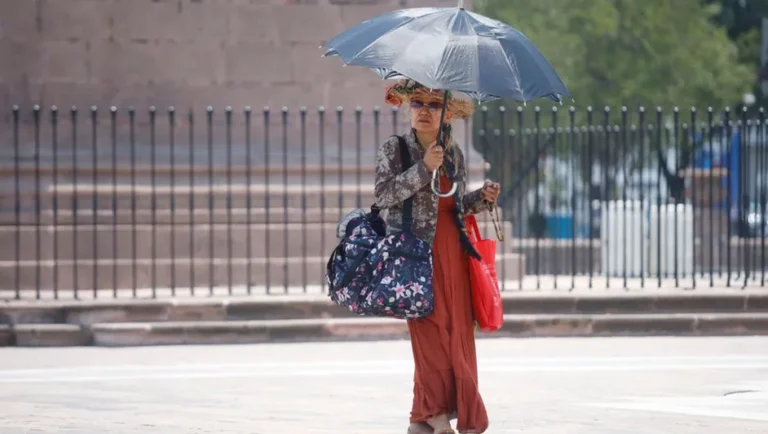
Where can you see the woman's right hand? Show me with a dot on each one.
(433, 158)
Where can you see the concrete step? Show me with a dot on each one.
(351, 329)
(317, 306)
(182, 241)
(219, 196)
(183, 273)
(255, 215)
(258, 214)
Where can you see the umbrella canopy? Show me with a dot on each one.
(451, 49)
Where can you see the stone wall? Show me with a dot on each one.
(185, 53)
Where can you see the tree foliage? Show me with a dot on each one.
(629, 52)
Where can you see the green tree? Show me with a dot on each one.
(742, 20)
(628, 52)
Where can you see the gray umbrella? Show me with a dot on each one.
(450, 49)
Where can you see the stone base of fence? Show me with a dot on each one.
(291, 318)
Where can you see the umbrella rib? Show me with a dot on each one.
(512, 68)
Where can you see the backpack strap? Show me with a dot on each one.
(406, 161)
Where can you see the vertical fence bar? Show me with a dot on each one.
(536, 204)
(622, 161)
(75, 207)
(191, 193)
(248, 204)
(678, 152)
(134, 242)
(230, 240)
(555, 137)
(286, 261)
(468, 146)
(153, 197)
(267, 213)
(763, 184)
(744, 154)
(701, 251)
(641, 131)
(172, 140)
(659, 115)
(55, 199)
(710, 187)
(729, 200)
(15, 112)
(38, 208)
(339, 144)
(115, 251)
(321, 138)
(394, 112)
(358, 157)
(94, 201)
(501, 164)
(606, 199)
(303, 143)
(521, 203)
(211, 204)
(590, 208)
(376, 112)
(572, 157)
(693, 178)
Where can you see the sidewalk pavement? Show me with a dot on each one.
(532, 386)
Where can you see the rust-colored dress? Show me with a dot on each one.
(445, 379)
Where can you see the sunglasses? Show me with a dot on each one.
(433, 106)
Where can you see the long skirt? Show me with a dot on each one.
(445, 378)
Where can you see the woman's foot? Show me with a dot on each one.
(441, 424)
(420, 428)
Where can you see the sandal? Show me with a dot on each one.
(420, 428)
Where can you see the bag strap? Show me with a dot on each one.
(473, 231)
(406, 161)
(496, 219)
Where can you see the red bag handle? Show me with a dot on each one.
(472, 229)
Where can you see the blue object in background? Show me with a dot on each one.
(560, 226)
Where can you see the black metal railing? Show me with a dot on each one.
(133, 203)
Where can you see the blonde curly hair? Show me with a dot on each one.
(460, 105)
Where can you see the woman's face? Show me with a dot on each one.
(425, 115)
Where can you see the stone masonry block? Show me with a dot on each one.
(139, 62)
(63, 61)
(308, 24)
(20, 58)
(198, 63)
(75, 19)
(18, 21)
(203, 21)
(253, 23)
(166, 20)
(258, 63)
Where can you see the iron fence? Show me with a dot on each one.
(113, 203)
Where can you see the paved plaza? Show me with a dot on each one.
(559, 386)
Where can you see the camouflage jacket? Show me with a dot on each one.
(393, 187)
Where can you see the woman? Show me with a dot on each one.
(443, 343)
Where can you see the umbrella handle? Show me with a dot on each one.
(436, 187)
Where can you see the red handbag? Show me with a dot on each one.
(486, 297)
